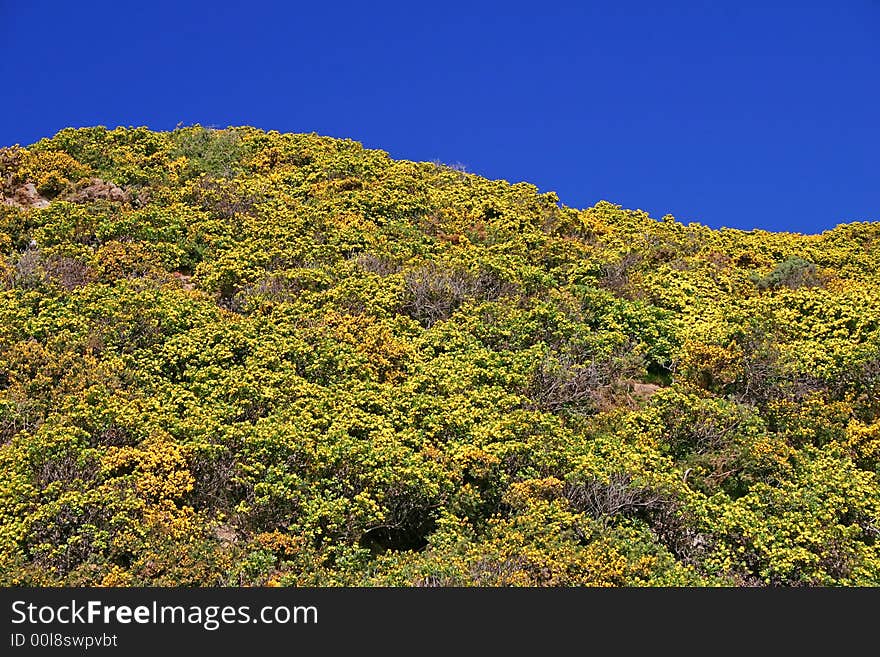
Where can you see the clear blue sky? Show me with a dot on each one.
(735, 113)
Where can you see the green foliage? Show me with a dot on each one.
(236, 357)
(792, 272)
(207, 151)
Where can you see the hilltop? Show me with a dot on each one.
(237, 357)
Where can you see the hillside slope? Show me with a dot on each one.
(244, 358)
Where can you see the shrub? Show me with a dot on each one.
(792, 273)
(208, 151)
(433, 292)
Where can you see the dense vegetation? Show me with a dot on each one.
(244, 358)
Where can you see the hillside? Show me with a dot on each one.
(233, 357)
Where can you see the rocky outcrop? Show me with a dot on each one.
(98, 189)
(26, 196)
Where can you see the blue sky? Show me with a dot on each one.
(740, 114)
